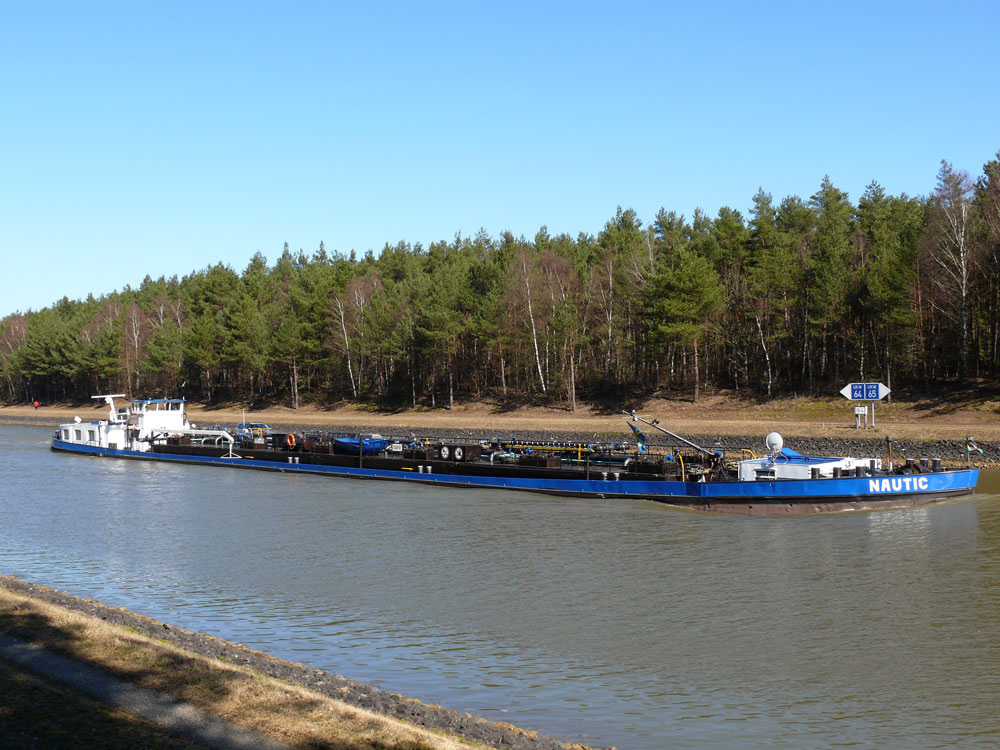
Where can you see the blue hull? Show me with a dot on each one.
(784, 496)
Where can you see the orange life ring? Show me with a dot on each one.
(290, 440)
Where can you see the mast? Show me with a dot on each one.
(109, 399)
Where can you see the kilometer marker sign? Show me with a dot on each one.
(865, 391)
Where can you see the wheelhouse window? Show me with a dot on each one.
(78, 434)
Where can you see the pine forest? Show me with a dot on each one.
(795, 297)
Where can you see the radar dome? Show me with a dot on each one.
(774, 442)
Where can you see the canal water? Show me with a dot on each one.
(605, 622)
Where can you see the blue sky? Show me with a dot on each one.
(142, 138)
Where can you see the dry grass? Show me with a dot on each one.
(287, 713)
(38, 713)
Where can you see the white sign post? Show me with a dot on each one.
(865, 392)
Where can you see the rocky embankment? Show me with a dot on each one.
(372, 698)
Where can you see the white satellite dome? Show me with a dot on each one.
(774, 442)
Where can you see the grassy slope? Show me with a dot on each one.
(40, 711)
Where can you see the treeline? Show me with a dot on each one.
(798, 296)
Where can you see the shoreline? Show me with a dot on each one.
(713, 414)
(732, 435)
(225, 655)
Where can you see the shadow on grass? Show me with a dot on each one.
(36, 712)
(954, 397)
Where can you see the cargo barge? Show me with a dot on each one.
(778, 482)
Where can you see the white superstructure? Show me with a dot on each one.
(782, 463)
(790, 465)
(135, 427)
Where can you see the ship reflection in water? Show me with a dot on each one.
(607, 622)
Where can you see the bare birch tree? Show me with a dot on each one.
(951, 246)
(525, 280)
